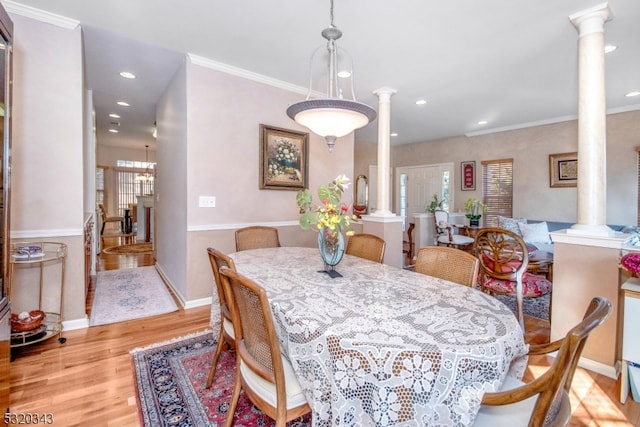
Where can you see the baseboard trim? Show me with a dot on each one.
(168, 282)
(198, 303)
(70, 325)
(600, 368)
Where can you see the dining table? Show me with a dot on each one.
(382, 345)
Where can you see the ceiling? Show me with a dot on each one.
(513, 63)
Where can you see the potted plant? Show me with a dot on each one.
(474, 209)
(435, 204)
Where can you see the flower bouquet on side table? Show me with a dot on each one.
(330, 218)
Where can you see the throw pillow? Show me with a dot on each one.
(535, 233)
(511, 224)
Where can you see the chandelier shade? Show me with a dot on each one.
(331, 118)
(148, 173)
(334, 116)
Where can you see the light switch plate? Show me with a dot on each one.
(207, 201)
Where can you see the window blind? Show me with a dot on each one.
(100, 196)
(128, 187)
(497, 190)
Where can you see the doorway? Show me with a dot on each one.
(416, 186)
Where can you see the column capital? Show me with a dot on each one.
(592, 20)
(384, 93)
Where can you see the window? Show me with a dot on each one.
(446, 194)
(128, 187)
(403, 200)
(497, 190)
(100, 196)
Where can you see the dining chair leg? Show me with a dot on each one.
(222, 345)
(234, 398)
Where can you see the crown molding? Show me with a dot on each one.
(249, 75)
(624, 109)
(40, 15)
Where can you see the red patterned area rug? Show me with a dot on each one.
(171, 378)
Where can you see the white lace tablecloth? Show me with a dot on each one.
(384, 346)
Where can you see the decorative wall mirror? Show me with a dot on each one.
(361, 202)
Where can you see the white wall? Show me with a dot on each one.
(47, 155)
(171, 185)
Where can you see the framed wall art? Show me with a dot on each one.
(283, 159)
(468, 175)
(563, 170)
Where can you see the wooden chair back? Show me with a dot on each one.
(548, 394)
(448, 263)
(106, 218)
(258, 350)
(226, 336)
(103, 213)
(367, 246)
(502, 253)
(256, 237)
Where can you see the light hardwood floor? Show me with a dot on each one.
(88, 381)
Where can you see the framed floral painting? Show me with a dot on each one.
(283, 158)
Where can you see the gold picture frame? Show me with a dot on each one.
(284, 157)
(563, 170)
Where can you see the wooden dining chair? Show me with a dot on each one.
(504, 258)
(445, 233)
(366, 246)
(106, 219)
(448, 263)
(256, 237)
(545, 400)
(222, 320)
(262, 372)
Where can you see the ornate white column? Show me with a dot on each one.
(384, 149)
(592, 118)
(586, 256)
(383, 222)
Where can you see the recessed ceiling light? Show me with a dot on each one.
(123, 104)
(113, 130)
(394, 134)
(633, 93)
(344, 74)
(128, 75)
(608, 48)
(421, 101)
(114, 116)
(483, 122)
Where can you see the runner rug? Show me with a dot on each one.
(171, 378)
(128, 294)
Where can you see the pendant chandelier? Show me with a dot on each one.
(334, 116)
(148, 173)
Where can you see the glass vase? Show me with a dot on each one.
(331, 246)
